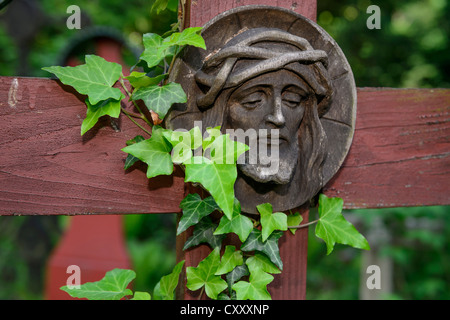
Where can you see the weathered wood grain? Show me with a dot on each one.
(46, 167)
(400, 154)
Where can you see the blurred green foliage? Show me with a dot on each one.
(410, 50)
(417, 241)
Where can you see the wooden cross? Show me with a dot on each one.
(399, 157)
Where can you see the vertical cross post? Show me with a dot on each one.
(291, 283)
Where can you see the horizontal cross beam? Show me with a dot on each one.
(399, 156)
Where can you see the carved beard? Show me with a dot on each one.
(278, 170)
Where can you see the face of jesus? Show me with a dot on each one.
(273, 103)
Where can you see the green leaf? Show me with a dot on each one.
(141, 296)
(293, 220)
(194, 209)
(160, 98)
(256, 288)
(261, 262)
(203, 233)
(271, 221)
(333, 228)
(112, 287)
(192, 138)
(154, 50)
(189, 36)
(218, 179)
(159, 5)
(239, 224)
(213, 133)
(230, 260)
(130, 160)
(165, 288)
(95, 78)
(155, 152)
(204, 275)
(140, 79)
(269, 247)
(94, 112)
(183, 142)
(236, 274)
(218, 174)
(224, 150)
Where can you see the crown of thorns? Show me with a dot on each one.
(219, 72)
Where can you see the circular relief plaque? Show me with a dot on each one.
(277, 80)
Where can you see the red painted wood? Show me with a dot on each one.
(204, 10)
(46, 167)
(400, 154)
(96, 251)
(96, 244)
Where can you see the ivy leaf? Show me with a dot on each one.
(155, 152)
(109, 107)
(183, 142)
(230, 260)
(165, 288)
(256, 288)
(159, 5)
(157, 48)
(239, 224)
(269, 247)
(203, 233)
(260, 262)
(154, 50)
(160, 98)
(130, 160)
(140, 79)
(218, 179)
(293, 220)
(192, 138)
(112, 287)
(141, 296)
(236, 274)
(204, 275)
(213, 133)
(333, 228)
(95, 78)
(218, 174)
(225, 150)
(194, 209)
(271, 221)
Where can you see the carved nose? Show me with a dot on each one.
(277, 117)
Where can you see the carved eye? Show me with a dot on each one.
(252, 100)
(291, 99)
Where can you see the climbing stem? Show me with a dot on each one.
(304, 225)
